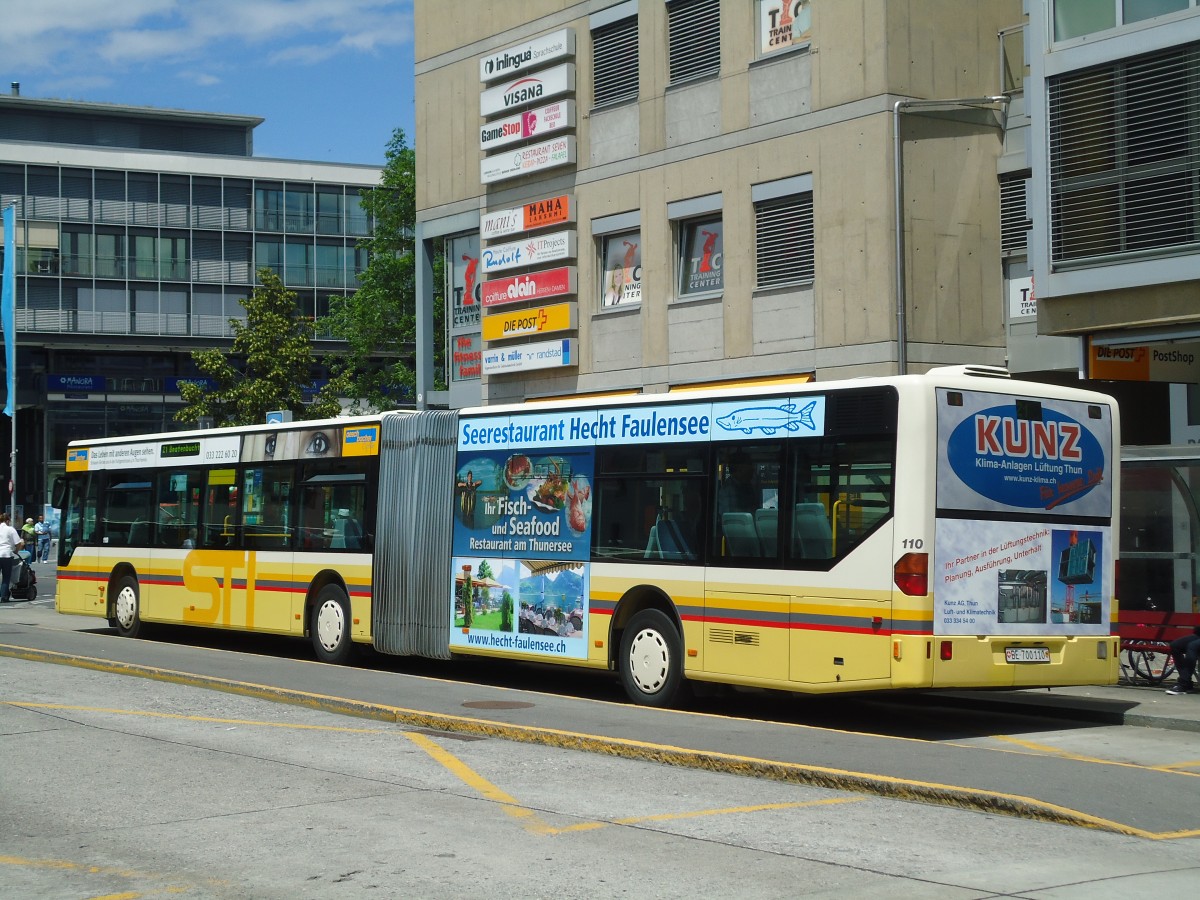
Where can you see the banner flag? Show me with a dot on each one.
(8, 306)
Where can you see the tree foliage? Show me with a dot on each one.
(268, 368)
(378, 321)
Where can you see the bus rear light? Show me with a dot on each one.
(911, 574)
(947, 651)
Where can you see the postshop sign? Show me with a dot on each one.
(527, 322)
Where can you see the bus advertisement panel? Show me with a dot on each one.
(1024, 497)
(523, 511)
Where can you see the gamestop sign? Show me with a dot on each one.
(532, 286)
(527, 124)
(528, 89)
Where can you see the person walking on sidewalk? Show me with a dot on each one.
(1184, 651)
(10, 543)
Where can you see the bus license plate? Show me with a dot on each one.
(1027, 654)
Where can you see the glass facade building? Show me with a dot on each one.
(138, 233)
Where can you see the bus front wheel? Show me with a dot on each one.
(651, 659)
(331, 625)
(127, 611)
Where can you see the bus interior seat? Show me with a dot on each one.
(741, 539)
(653, 545)
(347, 533)
(766, 521)
(811, 534)
(139, 533)
(674, 545)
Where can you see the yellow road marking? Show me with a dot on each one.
(90, 869)
(161, 715)
(695, 814)
(1172, 768)
(535, 825)
(470, 777)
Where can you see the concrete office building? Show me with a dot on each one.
(643, 195)
(138, 232)
(1101, 186)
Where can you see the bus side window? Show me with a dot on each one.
(221, 518)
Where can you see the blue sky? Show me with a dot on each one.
(332, 78)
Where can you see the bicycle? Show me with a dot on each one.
(1147, 662)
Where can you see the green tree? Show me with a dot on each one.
(378, 321)
(268, 367)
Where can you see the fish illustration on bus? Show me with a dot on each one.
(770, 419)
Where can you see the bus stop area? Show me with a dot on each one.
(1069, 789)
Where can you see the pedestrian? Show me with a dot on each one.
(1184, 651)
(42, 529)
(29, 536)
(10, 543)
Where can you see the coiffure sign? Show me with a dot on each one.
(527, 124)
(538, 52)
(528, 89)
(531, 286)
(539, 214)
(529, 252)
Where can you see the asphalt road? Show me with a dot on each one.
(298, 779)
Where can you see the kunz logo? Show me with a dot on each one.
(1023, 463)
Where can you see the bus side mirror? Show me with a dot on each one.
(59, 494)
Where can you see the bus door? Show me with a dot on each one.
(745, 600)
(839, 544)
(81, 585)
(241, 574)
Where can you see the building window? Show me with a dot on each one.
(299, 204)
(622, 256)
(268, 208)
(693, 39)
(783, 24)
(701, 262)
(1014, 216)
(1076, 18)
(783, 232)
(615, 62)
(1123, 172)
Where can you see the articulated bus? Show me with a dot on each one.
(952, 529)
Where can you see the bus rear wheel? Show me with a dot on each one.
(330, 626)
(651, 662)
(127, 608)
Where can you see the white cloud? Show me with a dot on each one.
(68, 40)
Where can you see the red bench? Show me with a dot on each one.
(1149, 629)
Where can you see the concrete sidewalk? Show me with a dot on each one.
(1118, 704)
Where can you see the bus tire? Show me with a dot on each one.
(651, 663)
(127, 607)
(330, 627)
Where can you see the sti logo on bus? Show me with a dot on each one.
(1024, 463)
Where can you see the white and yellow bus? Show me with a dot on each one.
(952, 529)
